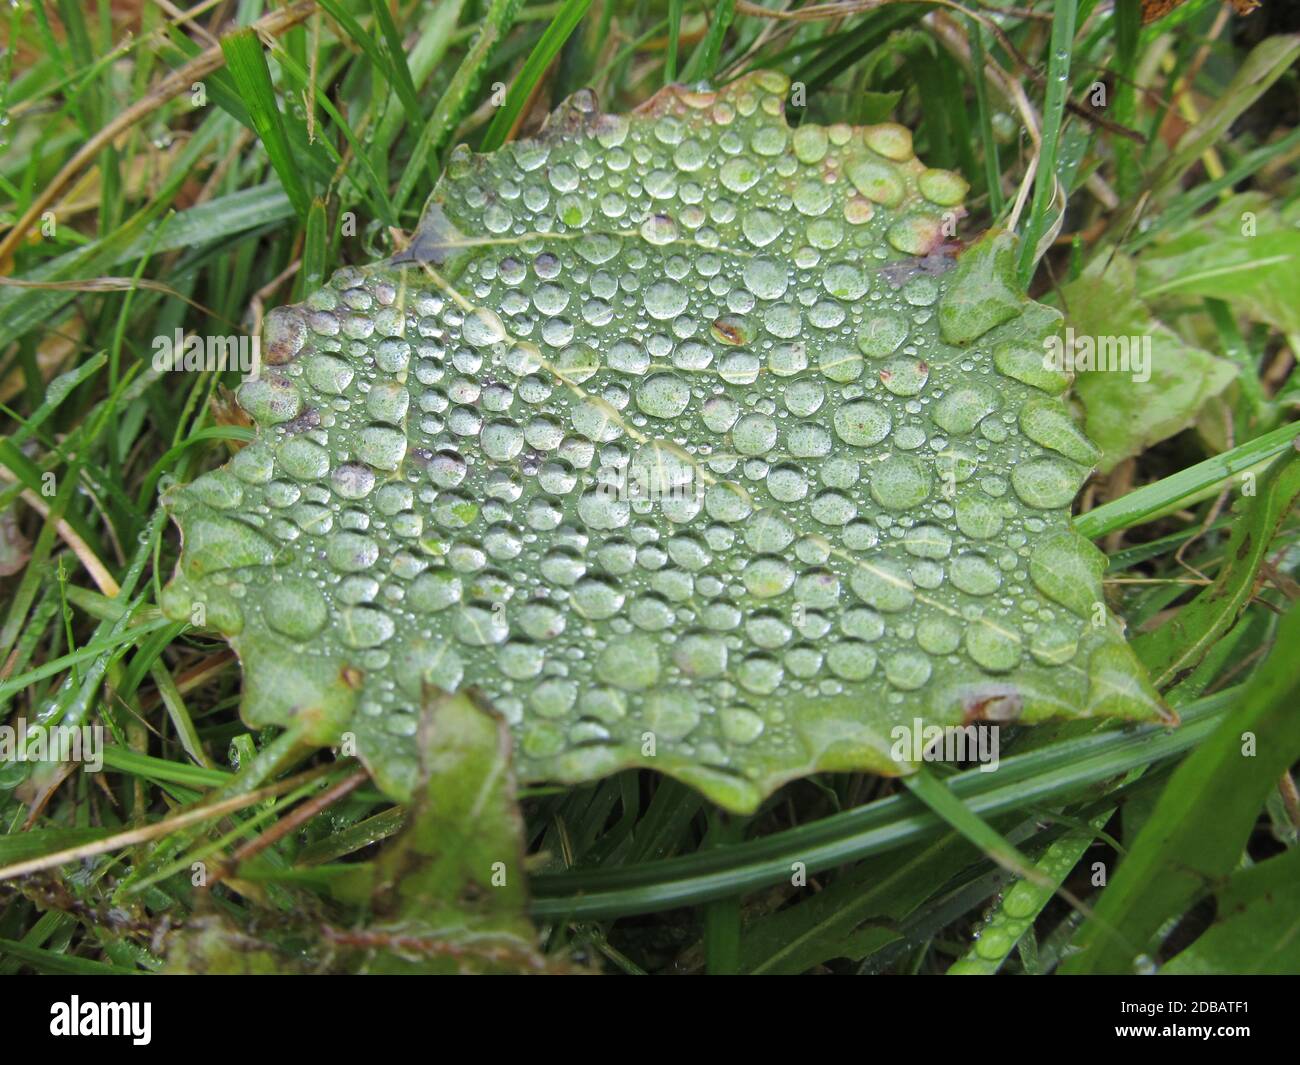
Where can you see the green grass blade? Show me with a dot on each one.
(1041, 777)
(722, 916)
(247, 65)
(400, 71)
(453, 103)
(385, 66)
(55, 393)
(315, 248)
(984, 114)
(936, 795)
(703, 63)
(521, 88)
(1058, 86)
(1268, 62)
(57, 964)
(1127, 17)
(1025, 900)
(1177, 490)
(674, 36)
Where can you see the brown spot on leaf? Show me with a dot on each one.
(1001, 705)
(285, 333)
(729, 331)
(938, 261)
(1243, 549)
(308, 419)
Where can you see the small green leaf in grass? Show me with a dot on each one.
(455, 873)
(1245, 252)
(1143, 382)
(447, 894)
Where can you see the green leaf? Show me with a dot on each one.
(1257, 926)
(447, 895)
(1242, 252)
(1205, 814)
(1158, 390)
(454, 876)
(693, 456)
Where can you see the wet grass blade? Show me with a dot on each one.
(1024, 901)
(1050, 774)
(1058, 87)
(403, 85)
